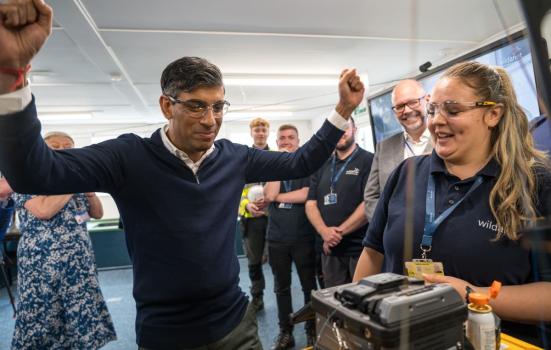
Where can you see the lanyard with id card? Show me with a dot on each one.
(409, 147)
(82, 217)
(417, 267)
(287, 185)
(81, 214)
(331, 197)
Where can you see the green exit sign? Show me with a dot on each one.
(360, 110)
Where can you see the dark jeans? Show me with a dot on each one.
(254, 236)
(243, 337)
(281, 256)
(338, 270)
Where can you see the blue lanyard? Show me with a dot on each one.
(431, 224)
(409, 147)
(287, 185)
(335, 177)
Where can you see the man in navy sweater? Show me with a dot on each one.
(177, 191)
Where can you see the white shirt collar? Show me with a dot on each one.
(194, 166)
(425, 137)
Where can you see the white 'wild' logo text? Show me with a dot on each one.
(490, 225)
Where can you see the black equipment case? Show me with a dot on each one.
(389, 311)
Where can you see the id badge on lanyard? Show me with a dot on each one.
(82, 217)
(287, 185)
(331, 197)
(417, 267)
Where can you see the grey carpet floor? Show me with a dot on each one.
(116, 286)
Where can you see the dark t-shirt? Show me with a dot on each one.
(349, 189)
(290, 225)
(464, 241)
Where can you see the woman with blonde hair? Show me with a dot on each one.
(483, 183)
(60, 302)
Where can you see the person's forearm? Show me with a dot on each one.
(6, 83)
(46, 207)
(354, 221)
(243, 205)
(5, 189)
(523, 303)
(271, 190)
(344, 110)
(314, 215)
(96, 208)
(370, 263)
(297, 196)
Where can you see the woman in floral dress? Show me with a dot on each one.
(60, 302)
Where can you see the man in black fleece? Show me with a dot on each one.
(177, 191)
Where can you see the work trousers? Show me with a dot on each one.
(254, 237)
(281, 257)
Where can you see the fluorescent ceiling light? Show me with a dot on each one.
(286, 79)
(281, 81)
(64, 116)
(252, 114)
(259, 108)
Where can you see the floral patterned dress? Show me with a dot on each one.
(60, 302)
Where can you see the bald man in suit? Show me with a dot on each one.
(408, 103)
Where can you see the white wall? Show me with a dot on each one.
(110, 210)
(317, 122)
(364, 136)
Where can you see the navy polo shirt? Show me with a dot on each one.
(464, 242)
(349, 190)
(290, 225)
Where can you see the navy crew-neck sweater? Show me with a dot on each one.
(179, 227)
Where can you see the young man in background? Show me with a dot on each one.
(253, 219)
(290, 239)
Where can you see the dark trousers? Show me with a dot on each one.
(254, 237)
(243, 337)
(281, 257)
(338, 270)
